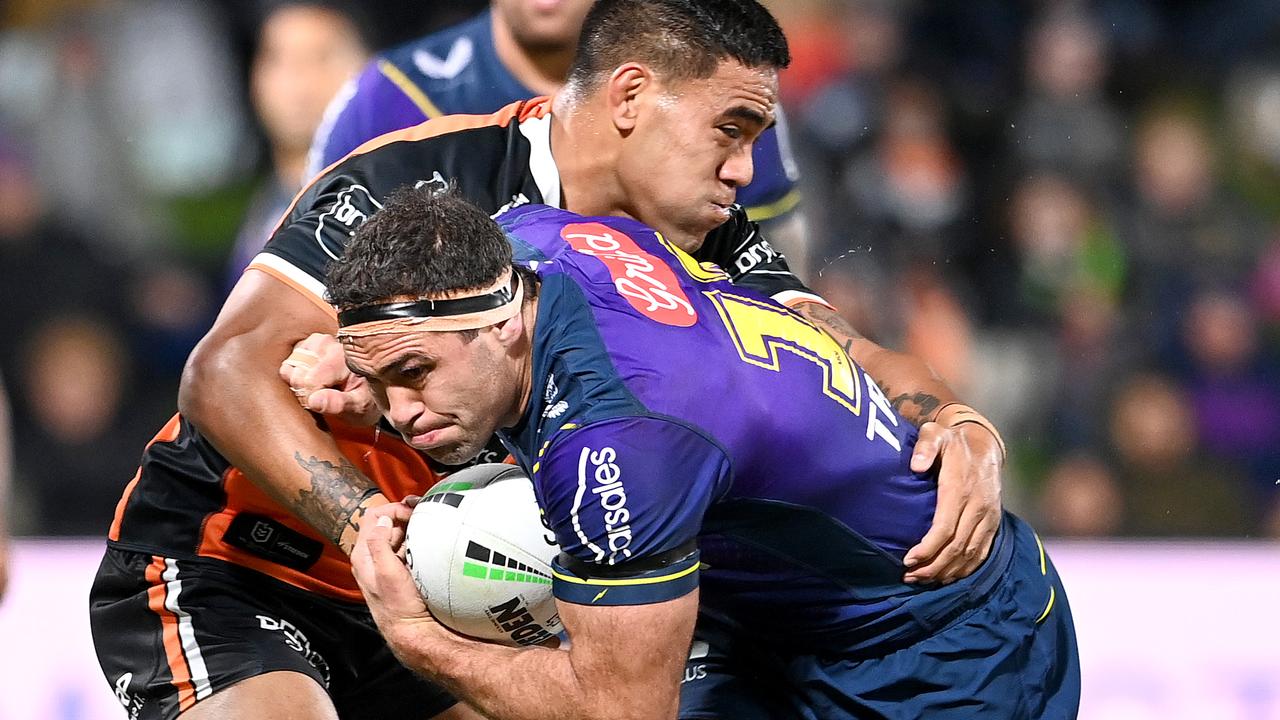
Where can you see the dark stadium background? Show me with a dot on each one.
(1070, 209)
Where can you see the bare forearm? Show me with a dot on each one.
(232, 394)
(911, 386)
(507, 683)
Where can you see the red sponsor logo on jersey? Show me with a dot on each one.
(646, 282)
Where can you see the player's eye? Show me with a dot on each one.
(413, 373)
(732, 131)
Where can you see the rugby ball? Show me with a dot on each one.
(481, 557)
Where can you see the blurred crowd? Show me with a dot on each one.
(1071, 210)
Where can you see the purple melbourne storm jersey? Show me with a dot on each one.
(685, 432)
(457, 71)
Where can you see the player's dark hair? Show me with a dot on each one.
(423, 242)
(681, 39)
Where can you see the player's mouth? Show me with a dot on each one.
(428, 439)
(722, 209)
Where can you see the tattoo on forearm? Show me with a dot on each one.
(333, 502)
(916, 407)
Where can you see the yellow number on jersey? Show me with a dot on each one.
(760, 330)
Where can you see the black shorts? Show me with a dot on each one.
(169, 633)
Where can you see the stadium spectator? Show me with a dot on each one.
(305, 52)
(78, 408)
(1071, 279)
(1234, 387)
(909, 189)
(1063, 121)
(1081, 498)
(1183, 228)
(1170, 487)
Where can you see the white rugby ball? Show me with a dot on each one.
(481, 557)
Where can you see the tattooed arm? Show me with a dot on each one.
(927, 394)
(968, 456)
(232, 393)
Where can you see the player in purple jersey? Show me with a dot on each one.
(765, 513)
(662, 110)
(513, 51)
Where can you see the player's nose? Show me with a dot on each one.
(403, 408)
(738, 169)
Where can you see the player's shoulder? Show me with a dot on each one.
(445, 53)
(456, 70)
(450, 140)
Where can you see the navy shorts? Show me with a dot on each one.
(169, 633)
(1011, 656)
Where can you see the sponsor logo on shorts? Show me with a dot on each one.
(514, 619)
(599, 472)
(644, 280)
(132, 702)
(694, 670)
(297, 640)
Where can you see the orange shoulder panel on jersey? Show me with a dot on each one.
(397, 469)
(168, 433)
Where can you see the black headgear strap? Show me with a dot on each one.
(429, 308)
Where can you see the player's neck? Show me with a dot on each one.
(585, 159)
(543, 72)
(524, 384)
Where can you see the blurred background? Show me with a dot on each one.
(1071, 210)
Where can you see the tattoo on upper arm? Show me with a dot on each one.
(334, 501)
(829, 320)
(916, 407)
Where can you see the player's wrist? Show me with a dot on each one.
(371, 498)
(956, 414)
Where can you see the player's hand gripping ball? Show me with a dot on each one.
(481, 557)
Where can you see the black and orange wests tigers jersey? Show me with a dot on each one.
(497, 162)
(186, 500)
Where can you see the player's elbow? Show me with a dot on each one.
(208, 375)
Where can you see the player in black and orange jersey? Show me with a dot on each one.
(514, 50)
(657, 122)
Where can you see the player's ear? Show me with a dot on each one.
(510, 330)
(622, 93)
